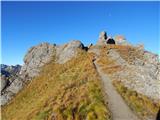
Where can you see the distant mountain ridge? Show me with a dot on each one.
(8, 74)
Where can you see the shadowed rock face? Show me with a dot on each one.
(8, 74)
(110, 41)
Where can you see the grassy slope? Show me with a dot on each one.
(139, 103)
(71, 91)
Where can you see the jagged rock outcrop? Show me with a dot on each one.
(4, 82)
(142, 76)
(120, 40)
(102, 38)
(8, 76)
(142, 80)
(67, 51)
(11, 90)
(35, 59)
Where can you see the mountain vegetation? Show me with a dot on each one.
(71, 91)
(77, 82)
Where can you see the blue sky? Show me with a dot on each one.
(25, 24)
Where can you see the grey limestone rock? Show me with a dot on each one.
(102, 38)
(36, 57)
(68, 51)
(34, 60)
(116, 57)
(120, 40)
(142, 77)
(4, 82)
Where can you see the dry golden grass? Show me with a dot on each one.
(108, 65)
(141, 104)
(72, 91)
(128, 53)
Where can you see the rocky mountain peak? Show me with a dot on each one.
(139, 66)
(103, 35)
(102, 38)
(35, 58)
(67, 51)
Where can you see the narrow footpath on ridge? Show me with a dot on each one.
(119, 109)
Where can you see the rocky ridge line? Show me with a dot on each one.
(34, 60)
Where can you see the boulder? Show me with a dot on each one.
(68, 51)
(120, 40)
(115, 56)
(150, 58)
(4, 82)
(102, 38)
(16, 85)
(11, 90)
(5, 98)
(119, 37)
(36, 57)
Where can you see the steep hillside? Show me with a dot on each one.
(35, 58)
(134, 77)
(70, 91)
(75, 82)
